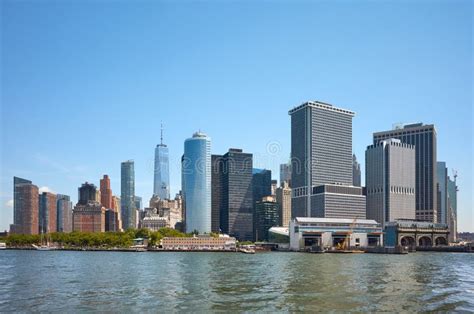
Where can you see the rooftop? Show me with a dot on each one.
(321, 105)
(334, 220)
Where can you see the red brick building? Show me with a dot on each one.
(26, 209)
(106, 193)
(89, 217)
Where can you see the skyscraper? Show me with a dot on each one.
(442, 190)
(47, 212)
(87, 192)
(161, 185)
(217, 169)
(285, 173)
(452, 209)
(25, 207)
(196, 177)
(283, 198)
(233, 194)
(390, 181)
(261, 183)
(424, 139)
(106, 192)
(128, 194)
(356, 175)
(267, 214)
(321, 163)
(64, 213)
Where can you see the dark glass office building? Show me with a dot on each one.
(424, 139)
(233, 191)
(217, 164)
(87, 192)
(267, 215)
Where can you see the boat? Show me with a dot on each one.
(247, 250)
(44, 246)
(3, 246)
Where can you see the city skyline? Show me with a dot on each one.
(424, 97)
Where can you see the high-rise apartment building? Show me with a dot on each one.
(233, 193)
(161, 186)
(283, 198)
(390, 181)
(25, 207)
(129, 219)
(321, 163)
(423, 137)
(106, 192)
(196, 183)
(64, 213)
(47, 212)
(356, 175)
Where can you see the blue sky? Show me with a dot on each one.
(85, 84)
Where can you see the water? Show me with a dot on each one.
(202, 282)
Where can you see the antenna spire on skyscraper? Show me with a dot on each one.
(161, 133)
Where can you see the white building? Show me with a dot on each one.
(306, 232)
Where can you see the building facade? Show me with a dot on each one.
(47, 212)
(321, 151)
(198, 243)
(196, 183)
(452, 209)
(442, 191)
(25, 207)
(217, 169)
(415, 233)
(326, 233)
(390, 181)
(236, 195)
(161, 182)
(285, 173)
(64, 213)
(338, 201)
(267, 215)
(87, 192)
(283, 198)
(356, 175)
(106, 192)
(423, 137)
(89, 217)
(129, 219)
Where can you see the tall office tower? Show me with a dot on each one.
(217, 168)
(64, 213)
(128, 194)
(236, 194)
(442, 191)
(321, 163)
(261, 183)
(424, 139)
(452, 209)
(285, 173)
(196, 175)
(267, 214)
(283, 198)
(161, 185)
(106, 192)
(356, 175)
(139, 213)
(25, 207)
(87, 192)
(390, 181)
(47, 212)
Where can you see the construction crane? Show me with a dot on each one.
(344, 245)
(455, 176)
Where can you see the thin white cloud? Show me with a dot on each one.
(9, 204)
(46, 189)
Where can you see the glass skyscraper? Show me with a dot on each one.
(128, 194)
(196, 185)
(161, 186)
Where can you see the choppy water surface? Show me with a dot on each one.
(197, 282)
